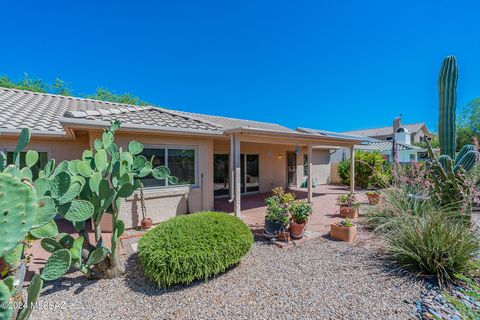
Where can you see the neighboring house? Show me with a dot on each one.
(205, 152)
(418, 131)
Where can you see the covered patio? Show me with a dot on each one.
(325, 209)
(301, 145)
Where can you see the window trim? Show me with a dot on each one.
(180, 147)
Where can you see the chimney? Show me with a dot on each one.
(397, 123)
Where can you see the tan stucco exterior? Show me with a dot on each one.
(164, 203)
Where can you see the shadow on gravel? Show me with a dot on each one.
(79, 282)
(136, 281)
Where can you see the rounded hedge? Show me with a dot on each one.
(193, 247)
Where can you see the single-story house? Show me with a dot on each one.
(212, 156)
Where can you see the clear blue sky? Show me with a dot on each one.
(335, 65)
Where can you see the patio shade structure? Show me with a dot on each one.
(299, 138)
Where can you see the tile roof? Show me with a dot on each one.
(334, 134)
(233, 123)
(385, 131)
(42, 112)
(386, 145)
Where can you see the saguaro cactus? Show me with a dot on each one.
(447, 105)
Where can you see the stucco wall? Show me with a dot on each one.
(164, 203)
(273, 162)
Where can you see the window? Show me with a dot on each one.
(305, 165)
(42, 161)
(181, 162)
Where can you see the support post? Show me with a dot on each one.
(231, 166)
(309, 172)
(238, 190)
(352, 169)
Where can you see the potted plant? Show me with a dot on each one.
(300, 211)
(344, 230)
(373, 197)
(348, 205)
(276, 218)
(146, 222)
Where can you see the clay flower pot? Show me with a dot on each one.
(342, 233)
(373, 198)
(349, 212)
(297, 230)
(146, 223)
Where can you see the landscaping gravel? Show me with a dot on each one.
(319, 279)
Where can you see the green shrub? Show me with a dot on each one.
(371, 170)
(439, 243)
(193, 247)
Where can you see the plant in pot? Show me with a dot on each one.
(146, 222)
(276, 218)
(348, 205)
(300, 211)
(344, 230)
(373, 196)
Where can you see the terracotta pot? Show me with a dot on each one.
(373, 198)
(342, 233)
(349, 212)
(297, 230)
(283, 236)
(146, 223)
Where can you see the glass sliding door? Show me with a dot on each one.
(251, 180)
(221, 175)
(249, 174)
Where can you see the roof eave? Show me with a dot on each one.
(38, 133)
(72, 123)
(293, 134)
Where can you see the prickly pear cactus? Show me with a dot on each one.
(18, 206)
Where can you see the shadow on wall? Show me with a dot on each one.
(159, 206)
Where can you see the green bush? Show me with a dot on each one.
(193, 247)
(371, 170)
(439, 243)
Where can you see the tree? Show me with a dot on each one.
(468, 125)
(60, 87)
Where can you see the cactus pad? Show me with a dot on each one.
(51, 245)
(57, 265)
(46, 231)
(97, 256)
(18, 205)
(31, 158)
(77, 210)
(34, 289)
(101, 160)
(60, 184)
(5, 294)
(135, 147)
(45, 213)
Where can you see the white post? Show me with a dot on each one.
(231, 165)
(352, 169)
(309, 172)
(238, 190)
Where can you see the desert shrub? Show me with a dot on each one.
(371, 170)
(439, 243)
(193, 247)
(398, 202)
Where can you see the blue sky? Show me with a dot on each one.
(334, 65)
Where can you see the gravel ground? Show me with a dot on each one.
(320, 279)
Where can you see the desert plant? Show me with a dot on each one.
(438, 243)
(300, 211)
(371, 170)
(29, 207)
(108, 175)
(346, 222)
(347, 200)
(277, 206)
(193, 247)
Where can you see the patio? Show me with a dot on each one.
(324, 199)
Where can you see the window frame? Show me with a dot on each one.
(178, 147)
